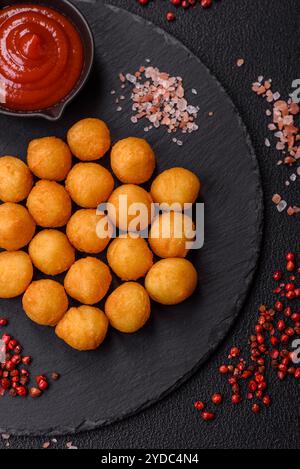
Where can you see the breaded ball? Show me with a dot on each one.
(170, 233)
(119, 205)
(83, 328)
(45, 302)
(88, 280)
(49, 204)
(88, 231)
(128, 307)
(129, 258)
(133, 160)
(51, 252)
(16, 273)
(49, 158)
(89, 139)
(171, 281)
(15, 179)
(89, 184)
(175, 185)
(17, 226)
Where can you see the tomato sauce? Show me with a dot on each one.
(41, 57)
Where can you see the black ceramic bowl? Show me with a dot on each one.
(75, 16)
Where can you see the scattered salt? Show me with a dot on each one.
(240, 62)
(281, 206)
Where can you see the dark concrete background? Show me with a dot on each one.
(266, 34)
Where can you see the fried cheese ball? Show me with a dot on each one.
(119, 205)
(175, 185)
(130, 258)
(171, 281)
(89, 139)
(17, 226)
(51, 252)
(169, 234)
(89, 184)
(45, 302)
(86, 231)
(132, 160)
(15, 179)
(16, 273)
(128, 307)
(49, 158)
(88, 280)
(49, 204)
(83, 328)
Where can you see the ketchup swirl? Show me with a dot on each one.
(41, 57)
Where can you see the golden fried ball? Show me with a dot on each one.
(128, 307)
(89, 139)
(49, 204)
(45, 302)
(133, 160)
(83, 328)
(89, 184)
(171, 281)
(51, 252)
(169, 234)
(16, 273)
(15, 179)
(175, 185)
(129, 258)
(49, 158)
(88, 280)
(88, 231)
(17, 226)
(119, 205)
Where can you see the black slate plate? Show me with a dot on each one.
(130, 372)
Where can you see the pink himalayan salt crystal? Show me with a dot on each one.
(160, 98)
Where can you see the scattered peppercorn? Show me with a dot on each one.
(199, 405)
(35, 392)
(273, 332)
(14, 380)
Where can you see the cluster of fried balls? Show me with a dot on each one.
(49, 206)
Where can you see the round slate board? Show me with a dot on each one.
(129, 372)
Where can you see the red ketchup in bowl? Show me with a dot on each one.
(41, 57)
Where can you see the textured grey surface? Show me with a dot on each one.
(265, 33)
